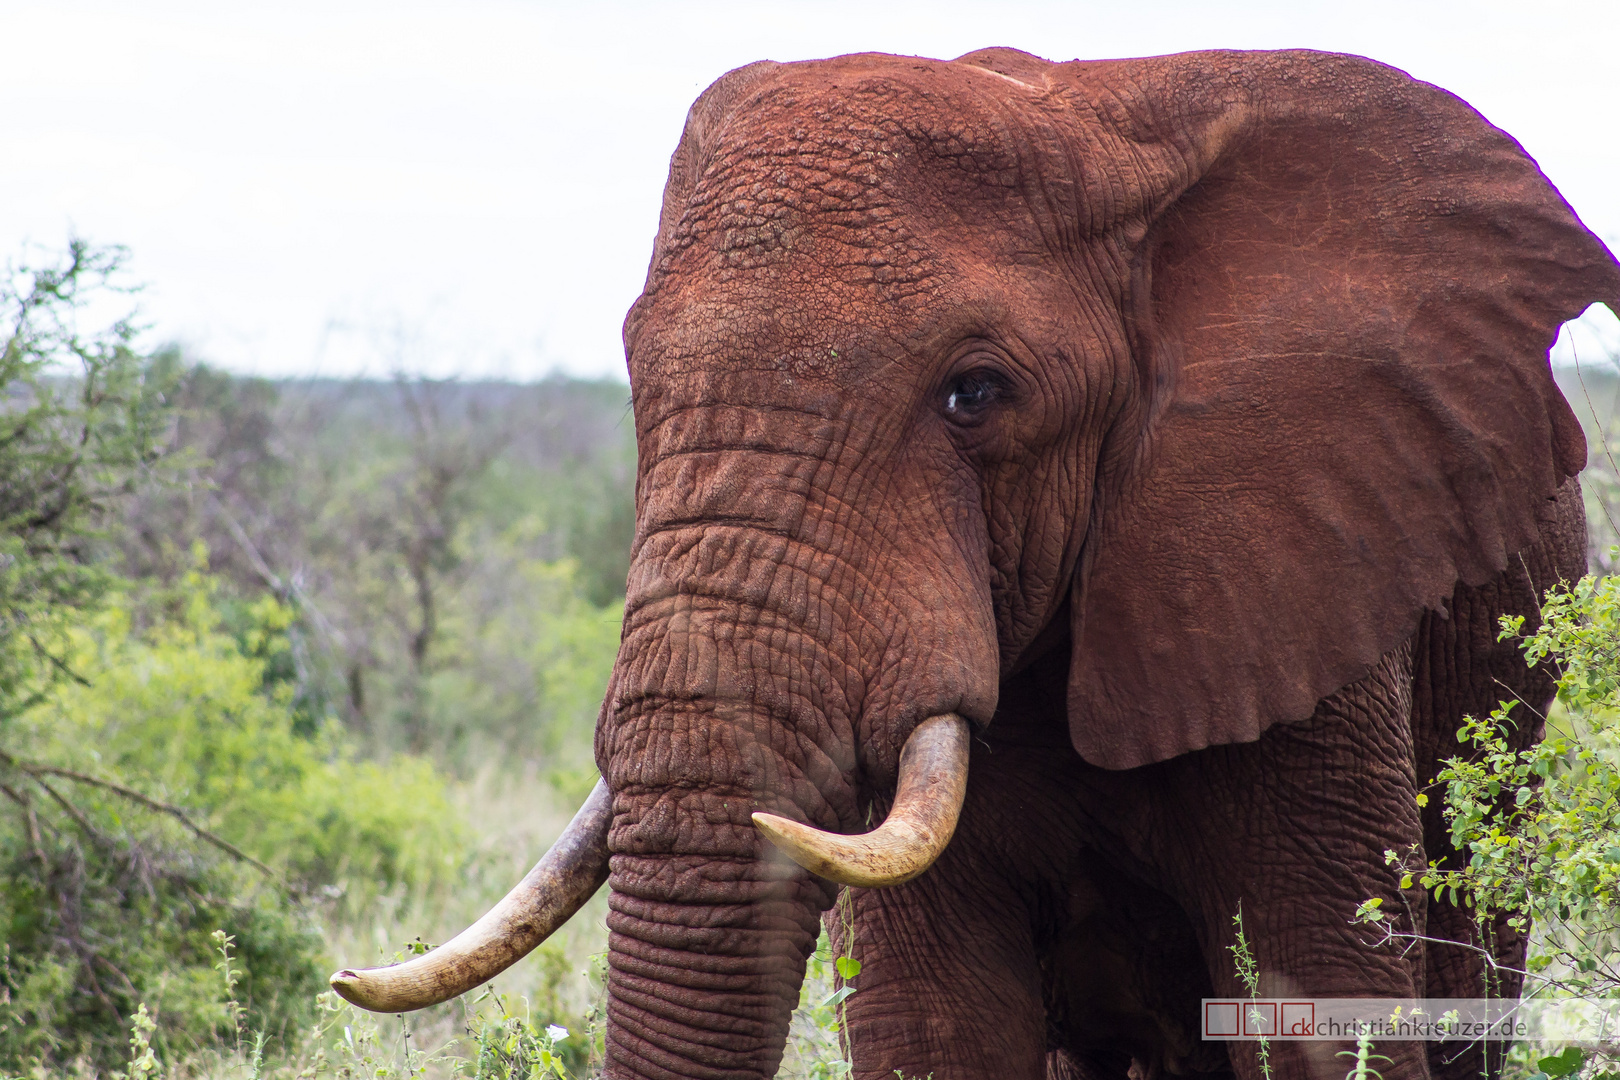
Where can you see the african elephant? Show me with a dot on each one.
(1121, 463)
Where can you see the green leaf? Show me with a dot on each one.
(837, 997)
(1562, 1064)
(848, 967)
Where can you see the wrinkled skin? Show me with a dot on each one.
(1182, 423)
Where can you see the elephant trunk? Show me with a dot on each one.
(709, 926)
(705, 960)
(723, 703)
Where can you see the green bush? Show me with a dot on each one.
(1541, 827)
(166, 793)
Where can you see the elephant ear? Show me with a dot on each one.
(1344, 288)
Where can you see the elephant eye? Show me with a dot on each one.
(970, 394)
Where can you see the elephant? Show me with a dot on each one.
(1074, 506)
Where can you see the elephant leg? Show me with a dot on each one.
(1459, 669)
(949, 985)
(1125, 980)
(1292, 830)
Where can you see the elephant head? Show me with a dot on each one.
(1216, 370)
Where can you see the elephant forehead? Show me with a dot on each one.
(761, 202)
(855, 174)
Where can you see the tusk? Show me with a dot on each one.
(927, 801)
(560, 883)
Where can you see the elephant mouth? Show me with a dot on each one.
(928, 800)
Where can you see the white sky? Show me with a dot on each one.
(472, 188)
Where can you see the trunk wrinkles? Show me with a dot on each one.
(726, 700)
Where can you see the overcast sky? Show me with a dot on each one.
(472, 188)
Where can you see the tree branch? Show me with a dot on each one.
(73, 812)
(35, 849)
(286, 589)
(57, 662)
(39, 771)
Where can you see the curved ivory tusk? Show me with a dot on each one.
(927, 800)
(560, 883)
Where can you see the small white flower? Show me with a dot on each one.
(556, 1031)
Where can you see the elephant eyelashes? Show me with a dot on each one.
(971, 394)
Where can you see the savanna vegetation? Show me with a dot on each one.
(301, 672)
(291, 674)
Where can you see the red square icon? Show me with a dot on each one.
(1298, 1018)
(1259, 1018)
(1220, 1019)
